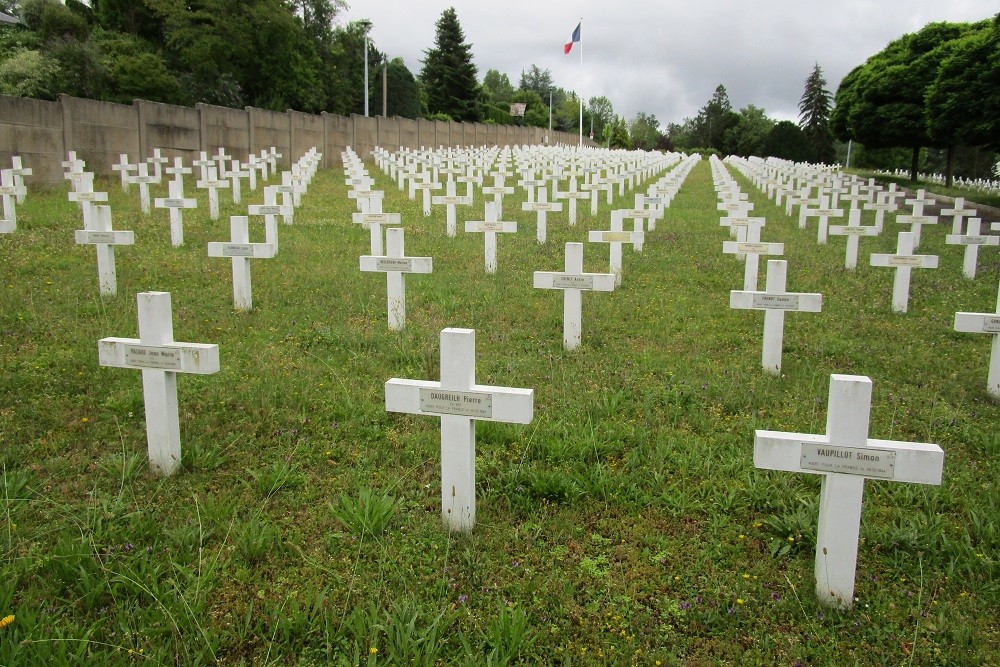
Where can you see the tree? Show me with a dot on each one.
(497, 88)
(403, 95)
(602, 112)
(881, 103)
(814, 116)
(749, 135)
(713, 120)
(538, 80)
(30, 73)
(449, 75)
(536, 111)
(963, 102)
(644, 131)
(616, 134)
(787, 141)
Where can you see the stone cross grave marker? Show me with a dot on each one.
(880, 206)
(425, 188)
(541, 206)
(498, 190)
(85, 196)
(572, 281)
(144, 179)
(972, 239)
(269, 209)
(8, 194)
(98, 233)
(395, 264)
(203, 163)
(460, 402)
(957, 214)
(489, 228)
(751, 250)
(917, 219)
(823, 212)
(741, 227)
(74, 168)
(373, 221)
(904, 261)
(160, 358)
(615, 237)
(234, 174)
(853, 230)
(213, 184)
(571, 195)
(775, 302)
(241, 251)
(20, 171)
(987, 323)
(845, 456)
(290, 195)
(450, 200)
(176, 202)
(157, 162)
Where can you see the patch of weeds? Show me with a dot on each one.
(202, 456)
(370, 513)
(793, 530)
(256, 538)
(282, 474)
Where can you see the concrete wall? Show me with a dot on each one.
(43, 132)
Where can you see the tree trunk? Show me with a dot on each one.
(949, 166)
(913, 164)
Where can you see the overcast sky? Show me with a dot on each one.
(667, 58)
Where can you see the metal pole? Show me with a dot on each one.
(550, 112)
(850, 143)
(385, 89)
(366, 73)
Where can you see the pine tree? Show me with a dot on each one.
(814, 116)
(449, 76)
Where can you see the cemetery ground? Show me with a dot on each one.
(625, 525)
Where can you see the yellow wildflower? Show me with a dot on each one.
(6, 620)
(372, 650)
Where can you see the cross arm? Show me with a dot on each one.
(197, 358)
(509, 404)
(91, 237)
(806, 302)
(977, 322)
(251, 250)
(597, 282)
(379, 263)
(731, 247)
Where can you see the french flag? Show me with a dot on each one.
(575, 39)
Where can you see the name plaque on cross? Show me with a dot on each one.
(492, 226)
(462, 403)
(614, 237)
(89, 237)
(991, 325)
(867, 462)
(236, 250)
(573, 282)
(394, 264)
(895, 260)
(146, 356)
(775, 301)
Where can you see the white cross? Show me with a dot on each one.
(157, 161)
(160, 358)
(572, 195)
(498, 190)
(880, 207)
(987, 323)
(373, 221)
(425, 187)
(775, 301)
(917, 220)
(490, 228)
(615, 237)
(541, 206)
(241, 251)
(824, 212)
(9, 192)
(450, 200)
(957, 214)
(903, 261)
(143, 178)
(751, 250)
(20, 171)
(175, 202)
(395, 264)
(98, 232)
(203, 163)
(853, 230)
(845, 456)
(572, 281)
(85, 196)
(972, 239)
(234, 175)
(459, 401)
(212, 183)
(269, 209)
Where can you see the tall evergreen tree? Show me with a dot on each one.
(449, 75)
(814, 116)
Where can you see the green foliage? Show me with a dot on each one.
(644, 131)
(403, 91)
(749, 135)
(537, 80)
(814, 117)
(30, 73)
(57, 21)
(497, 89)
(449, 75)
(132, 70)
(616, 134)
(787, 141)
(536, 111)
(370, 514)
(602, 111)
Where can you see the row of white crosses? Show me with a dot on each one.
(774, 300)
(11, 193)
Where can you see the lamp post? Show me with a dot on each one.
(550, 111)
(366, 26)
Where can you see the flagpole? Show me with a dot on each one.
(580, 101)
